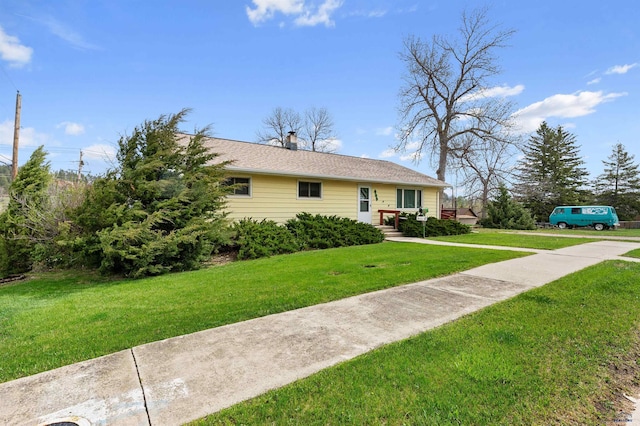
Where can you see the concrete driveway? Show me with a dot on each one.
(173, 381)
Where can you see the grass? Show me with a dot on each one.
(547, 356)
(510, 239)
(602, 234)
(633, 253)
(58, 319)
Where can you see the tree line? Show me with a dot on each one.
(450, 114)
(160, 209)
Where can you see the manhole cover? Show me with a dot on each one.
(68, 421)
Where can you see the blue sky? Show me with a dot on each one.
(89, 71)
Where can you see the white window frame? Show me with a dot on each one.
(309, 197)
(418, 199)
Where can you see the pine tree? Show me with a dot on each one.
(619, 185)
(161, 209)
(551, 173)
(505, 213)
(27, 196)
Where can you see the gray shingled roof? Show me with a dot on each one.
(274, 160)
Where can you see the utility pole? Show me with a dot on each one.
(16, 137)
(80, 164)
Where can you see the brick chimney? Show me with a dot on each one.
(291, 141)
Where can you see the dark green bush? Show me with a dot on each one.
(255, 239)
(433, 227)
(262, 239)
(505, 213)
(321, 232)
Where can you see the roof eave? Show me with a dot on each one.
(345, 178)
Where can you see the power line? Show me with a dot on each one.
(8, 78)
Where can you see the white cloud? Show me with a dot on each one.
(621, 69)
(413, 146)
(564, 106)
(387, 153)
(306, 13)
(67, 34)
(376, 13)
(265, 9)
(365, 156)
(28, 135)
(12, 51)
(71, 128)
(100, 152)
(384, 131)
(494, 92)
(322, 15)
(594, 81)
(332, 145)
(415, 157)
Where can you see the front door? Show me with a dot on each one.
(364, 204)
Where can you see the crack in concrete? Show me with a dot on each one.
(144, 396)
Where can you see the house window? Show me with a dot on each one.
(309, 189)
(408, 198)
(243, 185)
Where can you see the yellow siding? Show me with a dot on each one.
(275, 198)
(387, 200)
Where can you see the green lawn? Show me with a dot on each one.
(548, 356)
(602, 234)
(633, 253)
(510, 239)
(58, 319)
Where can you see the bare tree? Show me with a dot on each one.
(315, 131)
(486, 164)
(446, 94)
(318, 130)
(278, 125)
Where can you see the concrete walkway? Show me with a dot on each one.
(173, 381)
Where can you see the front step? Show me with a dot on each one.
(389, 231)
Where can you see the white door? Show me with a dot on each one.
(364, 204)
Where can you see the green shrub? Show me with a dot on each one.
(255, 239)
(4, 258)
(262, 239)
(505, 213)
(160, 209)
(433, 227)
(321, 232)
(19, 223)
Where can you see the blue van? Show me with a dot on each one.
(600, 217)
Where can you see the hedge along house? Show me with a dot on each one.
(277, 183)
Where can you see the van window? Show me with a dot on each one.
(576, 210)
(558, 211)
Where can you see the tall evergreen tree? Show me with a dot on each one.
(551, 173)
(27, 196)
(161, 208)
(619, 185)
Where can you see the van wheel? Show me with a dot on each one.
(562, 225)
(598, 227)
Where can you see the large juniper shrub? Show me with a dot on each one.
(321, 232)
(255, 239)
(505, 213)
